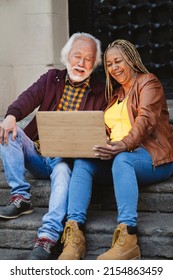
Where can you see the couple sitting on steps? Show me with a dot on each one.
(137, 123)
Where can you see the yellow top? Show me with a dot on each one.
(117, 119)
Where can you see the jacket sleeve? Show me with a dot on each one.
(29, 100)
(149, 106)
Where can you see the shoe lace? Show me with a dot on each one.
(45, 243)
(118, 237)
(69, 235)
(16, 199)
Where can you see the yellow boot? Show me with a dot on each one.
(124, 245)
(74, 242)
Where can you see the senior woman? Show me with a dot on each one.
(139, 150)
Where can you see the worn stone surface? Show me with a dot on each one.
(155, 231)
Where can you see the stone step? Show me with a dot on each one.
(156, 197)
(155, 220)
(155, 231)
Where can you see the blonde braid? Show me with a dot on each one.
(131, 56)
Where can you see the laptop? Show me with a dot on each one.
(70, 133)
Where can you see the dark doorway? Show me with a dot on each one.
(148, 25)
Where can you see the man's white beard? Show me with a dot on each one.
(77, 78)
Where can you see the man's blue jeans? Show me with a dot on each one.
(20, 154)
(129, 169)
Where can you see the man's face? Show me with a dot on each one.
(81, 60)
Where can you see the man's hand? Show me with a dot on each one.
(110, 150)
(6, 126)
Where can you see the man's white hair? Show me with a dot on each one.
(81, 35)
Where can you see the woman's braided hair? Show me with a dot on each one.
(131, 56)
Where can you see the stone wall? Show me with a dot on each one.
(32, 35)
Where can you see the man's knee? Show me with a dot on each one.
(18, 134)
(63, 168)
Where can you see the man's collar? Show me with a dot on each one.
(85, 82)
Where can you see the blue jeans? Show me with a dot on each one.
(20, 155)
(129, 169)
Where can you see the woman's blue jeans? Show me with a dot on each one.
(20, 155)
(129, 170)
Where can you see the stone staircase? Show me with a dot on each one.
(155, 221)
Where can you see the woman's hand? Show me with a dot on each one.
(110, 150)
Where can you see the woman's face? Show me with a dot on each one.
(117, 66)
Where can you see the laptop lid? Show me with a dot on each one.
(70, 133)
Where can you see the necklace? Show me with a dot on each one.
(120, 99)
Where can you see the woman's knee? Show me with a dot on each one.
(120, 161)
(84, 164)
(121, 158)
(81, 163)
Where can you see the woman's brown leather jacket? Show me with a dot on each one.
(149, 117)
